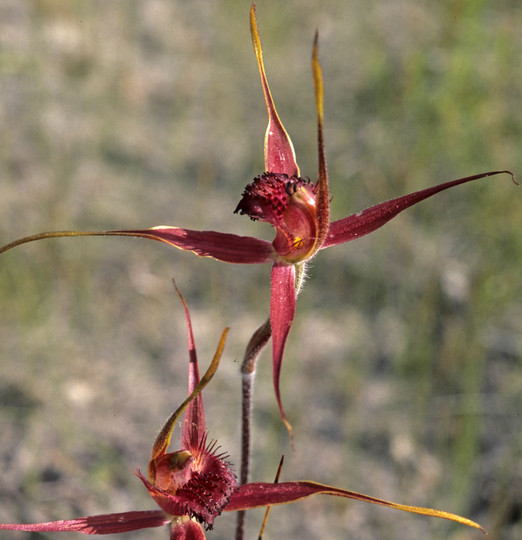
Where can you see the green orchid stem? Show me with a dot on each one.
(248, 371)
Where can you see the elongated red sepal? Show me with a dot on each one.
(265, 494)
(282, 311)
(224, 247)
(102, 524)
(279, 150)
(373, 218)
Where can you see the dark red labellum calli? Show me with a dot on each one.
(289, 205)
(197, 483)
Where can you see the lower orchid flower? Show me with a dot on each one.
(298, 209)
(195, 484)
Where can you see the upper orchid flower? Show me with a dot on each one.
(297, 208)
(195, 484)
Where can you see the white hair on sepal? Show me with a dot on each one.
(301, 273)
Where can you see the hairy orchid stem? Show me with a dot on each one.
(248, 370)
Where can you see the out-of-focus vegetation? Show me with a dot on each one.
(402, 376)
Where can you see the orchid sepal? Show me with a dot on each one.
(282, 311)
(323, 194)
(224, 247)
(374, 217)
(259, 494)
(102, 524)
(279, 150)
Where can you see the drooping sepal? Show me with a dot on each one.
(282, 312)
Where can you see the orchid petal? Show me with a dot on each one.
(184, 528)
(224, 247)
(165, 435)
(323, 196)
(102, 524)
(194, 426)
(279, 150)
(373, 218)
(266, 494)
(193, 378)
(282, 311)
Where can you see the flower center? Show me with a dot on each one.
(174, 470)
(196, 483)
(289, 205)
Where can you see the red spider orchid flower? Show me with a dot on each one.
(191, 486)
(297, 208)
(195, 484)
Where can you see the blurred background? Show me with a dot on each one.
(402, 372)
